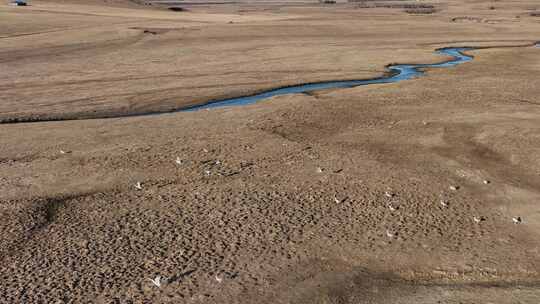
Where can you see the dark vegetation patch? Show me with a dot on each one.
(373, 4)
(467, 19)
(178, 9)
(421, 11)
(155, 30)
(48, 209)
(22, 220)
(410, 8)
(52, 207)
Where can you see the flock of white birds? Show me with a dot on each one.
(158, 281)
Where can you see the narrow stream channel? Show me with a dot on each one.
(397, 72)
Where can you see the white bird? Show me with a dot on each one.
(217, 162)
(156, 281)
(454, 188)
(390, 234)
(64, 152)
(207, 172)
(444, 203)
(392, 208)
(516, 220)
(389, 194)
(178, 161)
(138, 186)
(477, 219)
(205, 150)
(319, 170)
(336, 200)
(486, 182)
(219, 279)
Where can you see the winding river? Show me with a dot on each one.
(397, 72)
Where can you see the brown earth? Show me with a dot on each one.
(284, 201)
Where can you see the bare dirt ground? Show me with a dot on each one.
(329, 197)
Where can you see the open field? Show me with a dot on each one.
(328, 197)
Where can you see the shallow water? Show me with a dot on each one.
(398, 72)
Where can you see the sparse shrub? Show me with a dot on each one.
(420, 11)
(467, 19)
(418, 6)
(411, 8)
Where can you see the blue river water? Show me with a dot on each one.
(397, 72)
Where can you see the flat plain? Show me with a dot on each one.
(422, 191)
